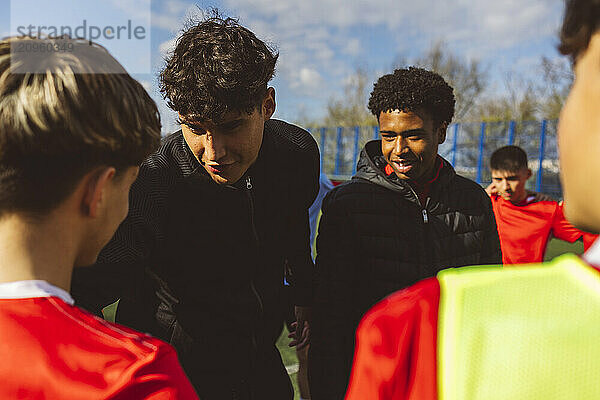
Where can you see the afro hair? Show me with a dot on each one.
(413, 89)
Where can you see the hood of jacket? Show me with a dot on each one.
(371, 164)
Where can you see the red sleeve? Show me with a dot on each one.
(396, 347)
(562, 229)
(588, 240)
(160, 379)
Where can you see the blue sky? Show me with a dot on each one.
(321, 42)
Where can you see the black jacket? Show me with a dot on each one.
(375, 238)
(202, 265)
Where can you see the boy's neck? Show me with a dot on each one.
(520, 200)
(41, 250)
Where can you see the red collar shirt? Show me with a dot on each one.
(524, 229)
(51, 349)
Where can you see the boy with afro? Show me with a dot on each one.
(506, 333)
(403, 217)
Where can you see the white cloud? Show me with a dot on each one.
(307, 81)
(167, 47)
(134, 8)
(319, 35)
(173, 15)
(352, 47)
(317, 38)
(499, 23)
(146, 85)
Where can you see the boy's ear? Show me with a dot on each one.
(268, 104)
(95, 183)
(529, 173)
(442, 132)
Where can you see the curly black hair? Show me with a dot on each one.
(581, 21)
(218, 66)
(413, 89)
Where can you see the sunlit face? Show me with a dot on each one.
(511, 185)
(227, 148)
(409, 143)
(579, 142)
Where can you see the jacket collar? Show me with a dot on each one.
(371, 163)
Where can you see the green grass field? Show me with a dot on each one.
(555, 248)
(288, 355)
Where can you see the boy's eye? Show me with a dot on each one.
(231, 126)
(197, 131)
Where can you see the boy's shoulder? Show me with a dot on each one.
(73, 346)
(57, 320)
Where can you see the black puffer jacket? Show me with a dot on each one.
(201, 265)
(375, 238)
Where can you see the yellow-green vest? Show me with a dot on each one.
(531, 332)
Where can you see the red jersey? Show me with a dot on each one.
(53, 350)
(524, 229)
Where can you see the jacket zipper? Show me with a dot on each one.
(255, 233)
(425, 216)
(423, 209)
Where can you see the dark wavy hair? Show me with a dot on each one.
(581, 21)
(508, 158)
(218, 66)
(413, 89)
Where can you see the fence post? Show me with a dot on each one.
(454, 144)
(338, 149)
(322, 149)
(538, 181)
(356, 138)
(376, 132)
(481, 146)
(511, 132)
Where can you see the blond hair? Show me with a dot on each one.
(63, 113)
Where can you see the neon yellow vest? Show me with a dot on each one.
(520, 333)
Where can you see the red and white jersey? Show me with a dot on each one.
(524, 229)
(51, 349)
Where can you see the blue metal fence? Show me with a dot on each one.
(468, 147)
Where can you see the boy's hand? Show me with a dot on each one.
(301, 334)
(491, 190)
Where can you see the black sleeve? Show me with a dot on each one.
(491, 253)
(334, 313)
(301, 276)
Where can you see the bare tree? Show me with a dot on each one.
(351, 109)
(525, 99)
(520, 102)
(467, 77)
(558, 78)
